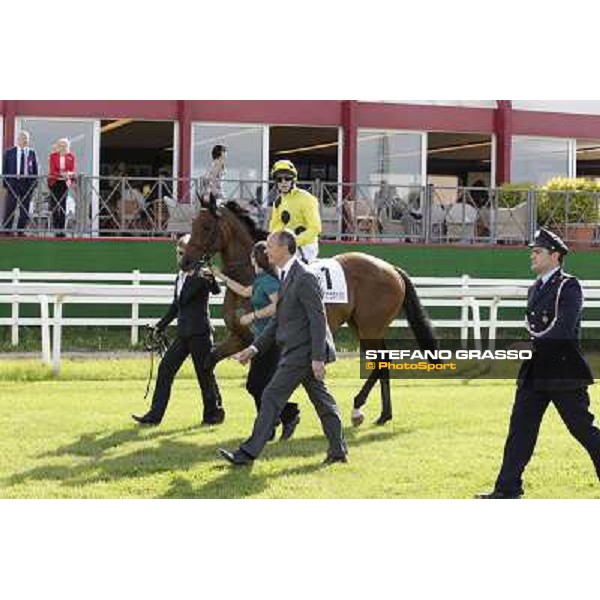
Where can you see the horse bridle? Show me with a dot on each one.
(205, 260)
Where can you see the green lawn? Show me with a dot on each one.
(73, 438)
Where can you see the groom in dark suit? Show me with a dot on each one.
(299, 328)
(194, 337)
(21, 163)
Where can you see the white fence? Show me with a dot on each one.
(135, 289)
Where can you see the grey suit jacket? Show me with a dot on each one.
(299, 326)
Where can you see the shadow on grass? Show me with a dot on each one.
(172, 455)
(233, 482)
(93, 445)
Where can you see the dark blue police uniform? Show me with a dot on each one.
(557, 372)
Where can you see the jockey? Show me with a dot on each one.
(296, 210)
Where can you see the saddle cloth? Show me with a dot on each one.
(332, 279)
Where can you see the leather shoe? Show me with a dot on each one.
(498, 495)
(331, 459)
(237, 458)
(288, 428)
(146, 420)
(215, 419)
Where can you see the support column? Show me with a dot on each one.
(350, 127)
(10, 112)
(503, 131)
(185, 148)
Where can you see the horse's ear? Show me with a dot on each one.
(212, 205)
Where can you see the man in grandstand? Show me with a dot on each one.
(295, 210)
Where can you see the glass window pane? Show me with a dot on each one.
(244, 156)
(536, 160)
(585, 107)
(45, 132)
(389, 156)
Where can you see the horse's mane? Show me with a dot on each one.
(243, 215)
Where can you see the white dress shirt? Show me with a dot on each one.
(547, 276)
(286, 268)
(181, 277)
(19, 152)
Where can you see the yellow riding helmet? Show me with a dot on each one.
(284, 165)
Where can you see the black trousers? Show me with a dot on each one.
(262, 369)
(199, 346)
(526, 418)
(17, 201)
(58, 204)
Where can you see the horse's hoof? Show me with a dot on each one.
(383, 420)
(357, 418)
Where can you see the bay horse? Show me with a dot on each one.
(377, 291)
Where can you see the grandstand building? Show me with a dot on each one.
(404, 142)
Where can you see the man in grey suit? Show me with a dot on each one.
(299, 328)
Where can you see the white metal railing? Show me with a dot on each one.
(370, 211)
(133, 289)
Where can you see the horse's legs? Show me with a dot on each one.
(386, 398)
(360, 399)
(376, 375)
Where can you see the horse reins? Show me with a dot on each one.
(155, 342)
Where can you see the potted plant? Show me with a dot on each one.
(570, 208)
(511, 195)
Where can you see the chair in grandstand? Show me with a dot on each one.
(180, 216)
(461, 219)
(508, 225)
(359, 216)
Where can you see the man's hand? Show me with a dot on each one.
(318, 367)
(245, 355)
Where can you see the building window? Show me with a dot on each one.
(588, 159)
(46, 132)
(244, 165)
(389, 156)
(538, 159)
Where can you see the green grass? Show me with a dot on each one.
(109, 339)
(73, 438)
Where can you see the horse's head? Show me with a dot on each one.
(205, 240)
(228, 230)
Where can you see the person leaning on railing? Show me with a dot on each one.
(62, 169)
(212, 182)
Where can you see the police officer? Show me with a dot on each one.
(557, 372)
(295, 210)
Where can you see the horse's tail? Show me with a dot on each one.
(417, 317)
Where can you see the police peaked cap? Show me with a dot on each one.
(549, 240)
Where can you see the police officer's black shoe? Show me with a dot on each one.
(146, 419)
(498, 495)
(330, 459)
(237, 458)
